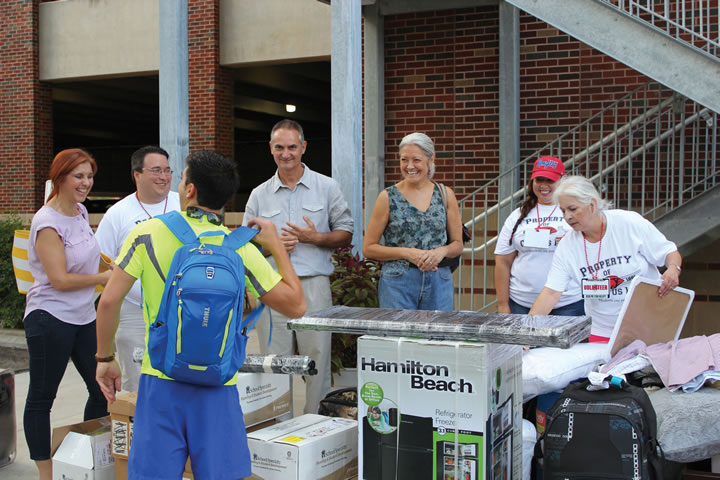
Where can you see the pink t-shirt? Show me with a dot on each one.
(82, 255)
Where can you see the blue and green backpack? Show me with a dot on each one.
(199, 335)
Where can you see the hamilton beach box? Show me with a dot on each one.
(438, 410)
(309, 447)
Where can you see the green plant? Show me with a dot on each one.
(353, 284)
(12, 303)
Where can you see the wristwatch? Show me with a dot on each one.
(104, 359)
(676, 266)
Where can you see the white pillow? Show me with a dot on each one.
(547, 369)
(529, 438)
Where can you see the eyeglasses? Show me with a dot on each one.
(157, 171)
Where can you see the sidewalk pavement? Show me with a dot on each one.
(68, 409)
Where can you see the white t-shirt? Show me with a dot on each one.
(530, 267)
(631, 246)
(120, 219)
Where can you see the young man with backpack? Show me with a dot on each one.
(177, 419)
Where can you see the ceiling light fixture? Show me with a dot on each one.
(290, 108)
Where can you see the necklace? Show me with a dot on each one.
(146, 212)
(537, 211)
(602, 225)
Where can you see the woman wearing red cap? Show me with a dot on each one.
(526, 245)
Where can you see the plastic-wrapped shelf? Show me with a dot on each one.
(285, 364)
(514, 329)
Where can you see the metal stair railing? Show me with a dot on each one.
(694, 22)
(659, 153)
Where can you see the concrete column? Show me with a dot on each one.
(173, 46)
(509, 102)
(346, 95)
(374, 107)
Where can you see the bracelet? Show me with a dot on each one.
(676, 266)
(104, 359)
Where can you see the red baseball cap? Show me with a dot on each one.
(548, 167)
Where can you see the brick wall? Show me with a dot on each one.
(442, 79)
(210, 85)
(25, 110)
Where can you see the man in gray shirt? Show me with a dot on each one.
(313, 218)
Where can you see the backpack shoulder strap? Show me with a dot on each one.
(239, 237)
(178, 226)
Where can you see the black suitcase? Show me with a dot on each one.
(8, 429)
(601, 434)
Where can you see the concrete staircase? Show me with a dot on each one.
(642, 38)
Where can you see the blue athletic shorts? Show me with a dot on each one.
(175, 419)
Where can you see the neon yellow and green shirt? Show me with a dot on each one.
(147, 254)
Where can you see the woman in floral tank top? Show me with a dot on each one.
(412, 219)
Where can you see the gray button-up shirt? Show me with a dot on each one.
(315, 196)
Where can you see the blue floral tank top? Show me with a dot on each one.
(409, 227)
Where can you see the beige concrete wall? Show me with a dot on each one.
(96, 38)
(273, 31)
(92, 38)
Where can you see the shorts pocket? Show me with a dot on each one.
(445, 273)
(394, 269)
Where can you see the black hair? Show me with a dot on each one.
(215, 177)
(137, 159)
(530, 201)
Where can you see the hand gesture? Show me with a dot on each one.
(670, 279)
(426, 260)
(109, 377)
(423, 259)
(105, 276)
(306, 234)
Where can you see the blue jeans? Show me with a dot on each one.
(51, 343)
(576, 309)
(405, 287)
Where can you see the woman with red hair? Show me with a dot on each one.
(60, 313)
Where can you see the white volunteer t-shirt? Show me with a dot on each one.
(631, 246)
(120, 219)
(530, 267)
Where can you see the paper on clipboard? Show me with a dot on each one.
(647, 317)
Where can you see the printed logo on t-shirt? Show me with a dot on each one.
(615, 281)
(614, 269)
(602, 268)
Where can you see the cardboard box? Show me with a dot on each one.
(82, 451)
(122, 413)
(264, 396)
(442, 410)
(308, 447)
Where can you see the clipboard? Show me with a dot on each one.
(647, 317)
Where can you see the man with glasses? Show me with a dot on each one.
(151, 173)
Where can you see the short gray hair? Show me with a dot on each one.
(288, 124)
(581, 189)
(424, 143)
